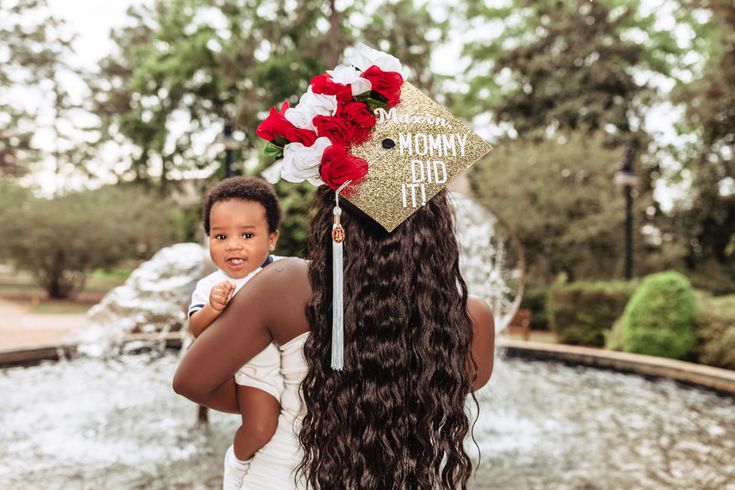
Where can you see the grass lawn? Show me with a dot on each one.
(20, 286)
(60, 307)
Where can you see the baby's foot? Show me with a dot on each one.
(235, 470)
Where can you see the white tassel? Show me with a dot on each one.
(338, 311)
(337, 304)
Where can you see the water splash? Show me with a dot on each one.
(153, 300)
(483, 259)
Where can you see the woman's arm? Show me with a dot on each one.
(483, 341)
(270, 306)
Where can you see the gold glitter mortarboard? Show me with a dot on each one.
(415, 150)
(364, 112)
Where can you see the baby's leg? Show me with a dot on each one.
(259, 412)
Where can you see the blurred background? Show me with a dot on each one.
(608, 206)
(613, 121)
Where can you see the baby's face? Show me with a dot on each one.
(239, 239)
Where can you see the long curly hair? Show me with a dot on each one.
(395, 416)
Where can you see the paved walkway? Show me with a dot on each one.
(19, 327)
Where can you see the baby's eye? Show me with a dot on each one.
(220, 237)
(247, 235)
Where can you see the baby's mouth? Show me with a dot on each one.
(235, 261)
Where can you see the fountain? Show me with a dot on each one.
(112, 421)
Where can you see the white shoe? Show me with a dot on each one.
(235, 470)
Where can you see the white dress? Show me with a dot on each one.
(273, 466)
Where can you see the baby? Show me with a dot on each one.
(241, 218)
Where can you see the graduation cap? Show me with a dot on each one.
(374, 138)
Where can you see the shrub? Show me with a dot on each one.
(717, 333)
(295, 201)
(534, 299)
(659, 320)
(583, 312)
(60, 241)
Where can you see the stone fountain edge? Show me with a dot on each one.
(716, 379)
(29, 356)
(712, 378)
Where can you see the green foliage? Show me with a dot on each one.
(560, 197)
(186, 222)
(60, 241)
(659, 320)
(203, 61)
(295, 200)
(706, 221)
(713, 276)
(566, 65)
(584, 312)
(534, 300)
(34, 96)
(717, 332)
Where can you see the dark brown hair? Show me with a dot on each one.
(395, 416)
(245, 189)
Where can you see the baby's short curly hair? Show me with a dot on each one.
(245, 189)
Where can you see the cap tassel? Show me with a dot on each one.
(338, 236)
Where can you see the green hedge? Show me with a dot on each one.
(534, 300)
(583, 312)
(659, 320)
(717, 334)
(61, 240)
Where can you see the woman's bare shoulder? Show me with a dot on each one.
(479, 311)
(281, 292)
(483, 340)
(288, 272)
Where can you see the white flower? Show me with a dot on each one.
(273, 173)
(363, 57)
(309, 106)
(348, 75)
(302, 162)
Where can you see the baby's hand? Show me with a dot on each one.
(220, 294)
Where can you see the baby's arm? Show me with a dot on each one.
(219, 296)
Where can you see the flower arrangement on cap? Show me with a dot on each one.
(312, 140)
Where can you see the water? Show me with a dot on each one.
(153, 300)
(116, 423)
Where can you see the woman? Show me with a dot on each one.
(414, 344)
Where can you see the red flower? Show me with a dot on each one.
(358, 114)
(323, 84)
(338, 130)
(298, 135)
(338, 166)
(275, 124)
(386, 83)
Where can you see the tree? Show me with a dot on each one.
(61, 240)
(183, 67)
(707, 220)
(191, 64)
(36, 46)
(560, 199)
(566, 65)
